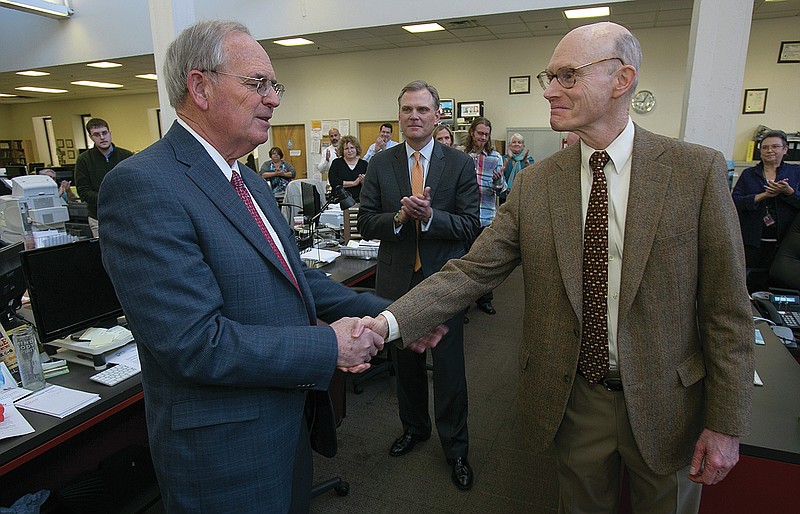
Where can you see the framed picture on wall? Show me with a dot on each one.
(790, 51)
(59, 143)
(519, 85)
(755, 101)
(70, 154)
(69, 142)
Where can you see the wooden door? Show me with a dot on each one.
(368, 132)
(292, 140)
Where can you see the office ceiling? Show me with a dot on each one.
(638, 14)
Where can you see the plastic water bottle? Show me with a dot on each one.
(28, 361)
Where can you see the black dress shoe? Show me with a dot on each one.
(487, 308)
(462, 473)
(405, 443)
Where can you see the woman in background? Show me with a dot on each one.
(350, 169)
(767, 199)
(277, 172)
(514, 160)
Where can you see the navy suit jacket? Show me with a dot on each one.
(228, 346)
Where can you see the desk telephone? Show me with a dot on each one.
(783, 309)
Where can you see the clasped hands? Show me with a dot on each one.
(416, 207)
(779, 187)
(359, 340)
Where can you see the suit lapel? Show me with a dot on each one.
(564, 189)
(207, 177)
(435, 169)
(400, 167)
(646, 198)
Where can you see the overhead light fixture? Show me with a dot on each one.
(4, 95)
(92, 83)
(41, 7)
(295, 41)
(41, 89)
(148, 76)
(33, 73)
(104, 64)
(423, 27)
(589, 12)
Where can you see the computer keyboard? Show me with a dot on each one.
(114, 375)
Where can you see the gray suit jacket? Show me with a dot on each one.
(228, 345)
(685, 331)
(454, 200)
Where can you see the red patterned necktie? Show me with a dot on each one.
(593, 360)
(238, 185)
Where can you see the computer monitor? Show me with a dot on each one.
(69, 289)
(470, 110)
(311, 205)
(12, 281)
(15, 170)
(33, 167)
(447, 109)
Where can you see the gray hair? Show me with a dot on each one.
(518, 136)
(630, 51)
(198, 47)
(419, 85)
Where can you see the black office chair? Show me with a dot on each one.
(785, 270)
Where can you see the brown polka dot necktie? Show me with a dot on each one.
(593, 360)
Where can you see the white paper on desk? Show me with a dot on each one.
(14, 423)
(316, 254)
(127, 355)
(6, 379)
(58, 401)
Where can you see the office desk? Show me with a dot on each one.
(60, 449)
(768, 471)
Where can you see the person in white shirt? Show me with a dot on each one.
(383, 142)
(328, 153)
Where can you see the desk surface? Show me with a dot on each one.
(775, 432)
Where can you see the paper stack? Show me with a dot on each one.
(58, 401)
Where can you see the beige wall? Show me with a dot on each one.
(363, 86)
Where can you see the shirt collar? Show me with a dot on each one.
(212, 152)
(426, 151)
(620, 150)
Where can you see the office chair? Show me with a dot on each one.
(293, 198)
(784, 270)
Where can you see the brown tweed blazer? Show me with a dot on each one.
(685, 330)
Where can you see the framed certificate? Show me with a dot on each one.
(519, 85)
(755, 101)
(790, 51)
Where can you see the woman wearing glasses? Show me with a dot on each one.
(767, 199)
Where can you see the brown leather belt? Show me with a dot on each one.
(612, 381)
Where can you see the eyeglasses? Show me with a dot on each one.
(566, 76)
(262, 85)
(771, 147)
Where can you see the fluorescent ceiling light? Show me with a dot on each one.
(41, 7)
(92, 83)
(589, 12)
(295, 41)
(148, 76)
(41, 89)
(5, 95)
(33, 73)
(423, 27)
(104, 64)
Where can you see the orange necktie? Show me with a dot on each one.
(417, 184)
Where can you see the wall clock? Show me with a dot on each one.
(643, 101)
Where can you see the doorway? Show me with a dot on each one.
(368, 132)
(291, 139)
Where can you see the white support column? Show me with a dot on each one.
(167, 19)
(715, 72)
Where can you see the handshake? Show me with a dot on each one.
(361, 339)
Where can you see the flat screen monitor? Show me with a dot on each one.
(69, 289)
(12, 280)
(64, 173)
(447, 107)
(33, 167)
(470, 110)
(311, 206)
(15, 170)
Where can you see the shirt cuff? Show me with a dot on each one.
(394, 329)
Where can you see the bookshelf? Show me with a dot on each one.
(13, 151)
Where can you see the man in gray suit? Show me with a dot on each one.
(223, 311)
(669, 392)
(423, 222)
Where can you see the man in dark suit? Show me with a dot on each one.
(223, 311)
(421, 200)
(662, 379)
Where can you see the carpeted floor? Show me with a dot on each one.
(507, 478)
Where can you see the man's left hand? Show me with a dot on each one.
(418, 207)
(715, 454)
